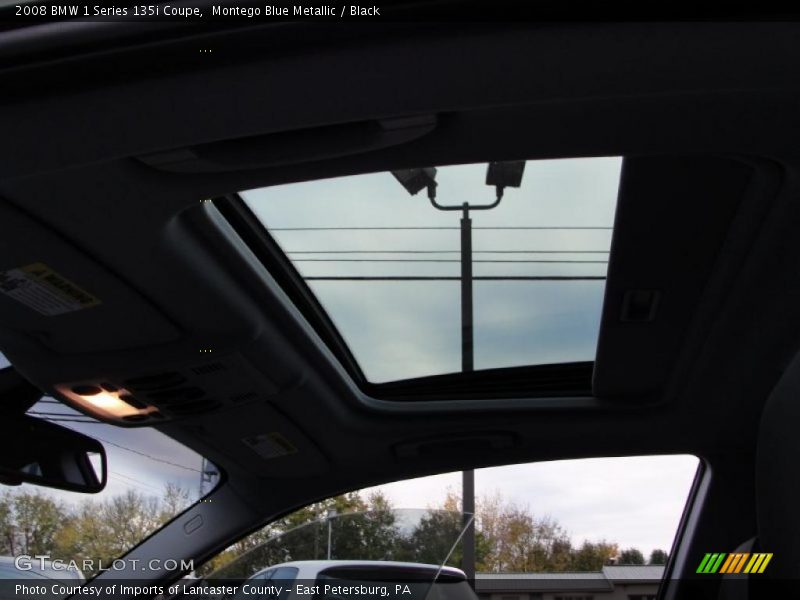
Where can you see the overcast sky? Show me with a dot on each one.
(402, 329)
(142, 459)
(405, 329)
(635, 502)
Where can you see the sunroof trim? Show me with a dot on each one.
(533, 381)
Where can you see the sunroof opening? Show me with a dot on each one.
(387, 266)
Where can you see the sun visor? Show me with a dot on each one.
(72, 303)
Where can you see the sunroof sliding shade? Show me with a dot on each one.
(386, 265)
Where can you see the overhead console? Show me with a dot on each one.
(149, 397)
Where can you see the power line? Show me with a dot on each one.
(123, 482)
(161, 460)
(139, 481)
(441, 228)
(69, 420)
(305, 252)
(118, 477)
(133, 479)
(121, 447)
(455, 278)
(115, 477)
(451, 260)
(57, 414)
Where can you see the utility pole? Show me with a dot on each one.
(467, 365)
(499, 175)
(203, 477)
(207, 475)
(330, 516)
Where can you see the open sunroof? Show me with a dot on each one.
(386, 265)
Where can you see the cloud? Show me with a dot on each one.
(403, 329)
(633, 501)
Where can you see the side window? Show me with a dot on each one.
(550, 527)
(286, 574)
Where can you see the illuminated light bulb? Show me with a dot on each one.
(105, 404)
(110, 404)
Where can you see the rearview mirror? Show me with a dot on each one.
(42, 453)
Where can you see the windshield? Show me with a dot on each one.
(54, 534)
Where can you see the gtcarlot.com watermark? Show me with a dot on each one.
(26, 562)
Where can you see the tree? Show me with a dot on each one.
(368, 534)
(103, 531)
(592, 556)
(36, 521)
(631, 556)
(518, 541)
(658, 557)
(437, 535)
(175, 500)
(85, 536)
(362, 529)
(433, 538)
(508, 537)
(6, 525)
(129, 518)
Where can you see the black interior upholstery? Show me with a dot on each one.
(777, 483)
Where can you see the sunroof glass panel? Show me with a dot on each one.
(386, 265)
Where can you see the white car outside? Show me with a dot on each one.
(357, 579)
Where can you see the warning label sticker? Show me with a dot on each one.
(40, 288)
(270, 445)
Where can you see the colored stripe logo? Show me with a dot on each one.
(737, 562)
